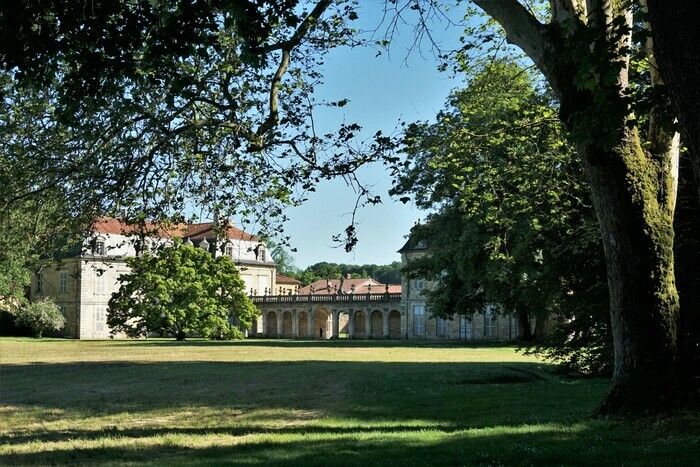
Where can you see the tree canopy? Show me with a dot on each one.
(181, 291)
(512, 223)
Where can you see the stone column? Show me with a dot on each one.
(404, 324)
(351, 324)
(385, 315)
(336, 324)
(368, 324)
(310, 322)
(295, 324)
(263, 331)
(279, 323)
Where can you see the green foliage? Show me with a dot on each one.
(41, 316)
(148, 107)
(181, 291)
(283, 258)
(512, 223)
(386, 274)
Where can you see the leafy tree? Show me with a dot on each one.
(583, 49)
(386, 274)
(512, 222)
(181, 291)
(150, 108)
(41, 316)
(283, 258)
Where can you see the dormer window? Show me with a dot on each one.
(99, 247)
(262, 254)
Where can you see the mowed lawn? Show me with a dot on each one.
(311, 403)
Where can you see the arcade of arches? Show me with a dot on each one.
(324, 323)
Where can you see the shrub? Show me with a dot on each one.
(41, 316)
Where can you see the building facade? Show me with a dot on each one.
(356, 308)
(82, 285)
(419, 324)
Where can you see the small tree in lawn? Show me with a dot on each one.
(181, 291)
(41, 316)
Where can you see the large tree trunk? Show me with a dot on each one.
(584, 55)
(676, 37)
(524, 331)
(674, 27)
(687, 254)
(638, 241)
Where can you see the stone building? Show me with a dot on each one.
(82, 285)
(334, 308)
(286, 285)
(487, 325)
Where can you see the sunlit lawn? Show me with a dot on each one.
(287, 402)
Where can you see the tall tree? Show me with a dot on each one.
(675, 36)
(583, 49)
(512, 225)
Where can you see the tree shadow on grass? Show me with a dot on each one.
(315, 413)
(331, 343)
(509, 445)
(442, 392)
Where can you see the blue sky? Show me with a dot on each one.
(382, 91)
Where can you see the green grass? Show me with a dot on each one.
(311, 403)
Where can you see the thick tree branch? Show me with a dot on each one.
(521, 27)
(287, 47)
(664, 140)
(300, 32)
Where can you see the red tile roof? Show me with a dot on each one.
(281, 279)
(110, 225)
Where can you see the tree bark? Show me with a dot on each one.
(687, 255)
(676, 37)
(584, 54)
(638, 242)
(674, 28)
(524, 331)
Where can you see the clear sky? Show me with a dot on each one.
(382, 91)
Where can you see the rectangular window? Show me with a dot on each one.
(262, 254)
(100, 318)
(100, 247)
(489, 324)
(39, 283)
(419, 320)
(513, 327)
(465, 328)
(418, 284)
(100, 283)
(63, 283)
(229, 251)
(441, 330)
